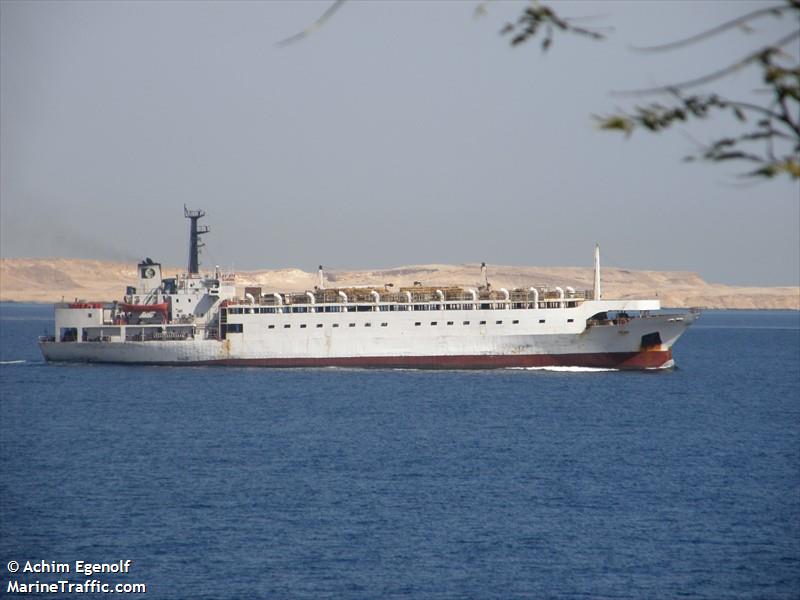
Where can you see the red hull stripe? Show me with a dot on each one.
(648, 359)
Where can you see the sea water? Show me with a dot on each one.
(334, 483)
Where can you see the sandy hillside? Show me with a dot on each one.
(48, 280)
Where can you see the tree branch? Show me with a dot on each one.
(538, 16)
(709, 33)
(786, 116)
(329, 12)
(761, 54)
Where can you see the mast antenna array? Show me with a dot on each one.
(195, 231)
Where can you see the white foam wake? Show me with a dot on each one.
(667, 365)
(12, 362)
(566, 369)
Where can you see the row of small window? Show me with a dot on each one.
(417, 324)
(321, 308)
(319, 325)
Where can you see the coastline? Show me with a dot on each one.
(45, 281)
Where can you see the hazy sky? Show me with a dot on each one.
(399, 133)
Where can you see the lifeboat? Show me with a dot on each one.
(161, 308)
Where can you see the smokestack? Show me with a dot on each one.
(321, 283)
(596, 294)
(484, 275)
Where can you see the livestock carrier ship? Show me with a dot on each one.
(202, 319)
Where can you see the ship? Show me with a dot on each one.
(205, 319)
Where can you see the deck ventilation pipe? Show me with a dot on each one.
(278, 301)
(535, 293)
(343, 296)
(474, 295)
(561, 302)
(506, 296)
(440, 295)
(311, 299)
(376, 297)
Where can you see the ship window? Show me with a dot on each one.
(189, 300)
(335, 324)
(384, 324)
(570, 320)
(449, 322)
(417, 324)
(515, 322)
(434, 323)
(367, 324)
(498, 322)
(303, 326)
(271, 327)
(541, 320)
(352, 325)
(89, 315)
(319, 325)
(466, 322)
(286, 326)
(483, 322)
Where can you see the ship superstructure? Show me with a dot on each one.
(202, 319)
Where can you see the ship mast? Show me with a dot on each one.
(195, 231)
(596, 292)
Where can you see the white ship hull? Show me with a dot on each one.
(424, 339)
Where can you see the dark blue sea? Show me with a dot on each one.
(331, 483)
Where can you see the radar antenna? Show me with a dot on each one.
(195, 231)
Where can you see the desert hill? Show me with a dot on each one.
(49, 280)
